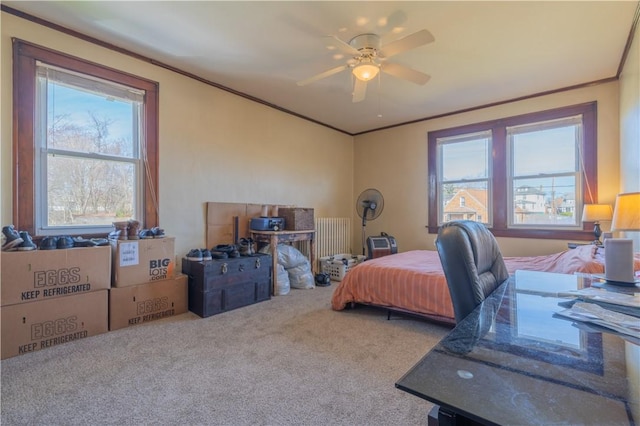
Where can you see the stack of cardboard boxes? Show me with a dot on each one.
(50, 297)
(145, 284)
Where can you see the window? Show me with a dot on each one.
(524, 176)
(87, 149)
(464, 174)
(544, 173)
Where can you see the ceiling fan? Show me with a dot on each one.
(368, 57)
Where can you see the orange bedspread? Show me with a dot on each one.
(413, 281)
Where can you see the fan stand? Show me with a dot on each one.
(364, 224)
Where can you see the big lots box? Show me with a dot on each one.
(29, 327)
(147, 302)
(29, 276)
(142, 261)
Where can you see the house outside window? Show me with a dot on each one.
(545, 173)
(87, 145)
(523, 176)
(464, 176)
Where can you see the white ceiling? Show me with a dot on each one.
(484, 52)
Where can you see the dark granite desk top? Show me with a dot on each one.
(513, 362)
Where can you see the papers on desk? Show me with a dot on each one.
(595, 314)
(600, 295)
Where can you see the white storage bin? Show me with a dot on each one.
(338, 265)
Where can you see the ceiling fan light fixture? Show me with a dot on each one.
(365, 72)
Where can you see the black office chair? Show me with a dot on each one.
(472, 263)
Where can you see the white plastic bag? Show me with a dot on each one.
(301, 277)
(288, 256)
(284, 285)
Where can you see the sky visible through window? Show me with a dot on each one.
(87, 189)
(540, 152)
(76, 105)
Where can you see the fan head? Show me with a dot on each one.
(369, 205)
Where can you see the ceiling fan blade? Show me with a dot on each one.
(405, 73)
(406, 43)
(343, 46)
(359, 90)
(322, 75)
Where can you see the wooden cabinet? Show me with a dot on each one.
(220, 285)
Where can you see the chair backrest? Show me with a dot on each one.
(472, 263)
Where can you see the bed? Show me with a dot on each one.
(413, 281)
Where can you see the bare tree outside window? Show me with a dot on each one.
(90, 150)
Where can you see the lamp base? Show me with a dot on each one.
(622, 283)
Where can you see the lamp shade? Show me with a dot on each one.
(626, 215)
(365, 71)
(596, 212)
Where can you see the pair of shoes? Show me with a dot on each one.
(27, 242)
(154, 232)
(100, 241)
(246, 247)
(83, 242)
(229, 249)
(195, 255)
(17, 240)
(219, 255)
(12, 238)
(56, 242)
(323, 279)
(126, 230)
(198, 255)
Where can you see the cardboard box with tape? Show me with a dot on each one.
(29, 327)
(141, 261)
(29, 276)
(147, 302)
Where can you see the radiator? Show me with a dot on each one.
(333, 236)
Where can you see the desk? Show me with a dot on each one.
(512, 362)
(276, 237)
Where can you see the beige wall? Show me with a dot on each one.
(214, 146)
(630, 125)
(395, 162)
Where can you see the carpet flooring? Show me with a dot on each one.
(290, 360)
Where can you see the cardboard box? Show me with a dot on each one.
(297, 219)
(29, 327)
(29, 276)
(147, 302)
(141, 261)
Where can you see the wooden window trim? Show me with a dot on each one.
(25, 56)
(499, 177)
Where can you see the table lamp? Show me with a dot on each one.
(618, 253)
(595, 213)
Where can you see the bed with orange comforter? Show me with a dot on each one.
(413, 281)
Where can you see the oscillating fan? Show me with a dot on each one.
(369, 206)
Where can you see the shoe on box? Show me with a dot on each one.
(12, 238)
(49, 243)
(27, 242)
(64, 242)
(195, 255)
(83, 242)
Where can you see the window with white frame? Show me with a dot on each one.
(464, 177)
(523, 176)
(86, 144)
(544, 173)
(89, 165)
